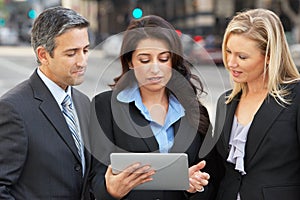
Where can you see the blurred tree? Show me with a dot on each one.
(3, 10)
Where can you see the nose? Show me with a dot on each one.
(155, 67)
(231, 61)
(82, 59)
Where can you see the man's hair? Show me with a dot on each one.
(53, 22)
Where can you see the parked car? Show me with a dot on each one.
(201, 52)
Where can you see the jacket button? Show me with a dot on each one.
(77, 168)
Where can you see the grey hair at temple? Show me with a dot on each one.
(53, 22)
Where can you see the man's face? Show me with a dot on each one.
(68, 64)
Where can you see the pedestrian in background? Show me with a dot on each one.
(42, 155)
(153, 107)
(259, 119)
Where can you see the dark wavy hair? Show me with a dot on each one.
(184, 85)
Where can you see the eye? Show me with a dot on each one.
(242, 57)
(228, 51)
(164, 59)
(144, 61)
(70, 53)
(85, 51)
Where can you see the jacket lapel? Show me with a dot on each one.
(83, 114)
(131, 121)
(146, 134)
(230, 112)
(52, 111)
(184, 135)
(263, 120)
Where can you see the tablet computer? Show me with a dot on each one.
(171, 169)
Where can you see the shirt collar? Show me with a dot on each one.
(132, 94)
(175, 111)
(129, 94)
(57, 92)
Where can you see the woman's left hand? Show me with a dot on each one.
(197, 178)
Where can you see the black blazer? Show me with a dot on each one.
(272, 152)
(38, 157)
(123, 128)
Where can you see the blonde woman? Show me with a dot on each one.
(258, 121)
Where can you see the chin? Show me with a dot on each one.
(78, 81)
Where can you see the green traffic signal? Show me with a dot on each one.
(2, 22)
(32, 14)
(137, 13)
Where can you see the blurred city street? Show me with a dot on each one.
(18, 63)
(200, 24)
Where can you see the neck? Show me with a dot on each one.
(150, 98)
(257, 87)
(157, 104)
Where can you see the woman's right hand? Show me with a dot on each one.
(119, 185)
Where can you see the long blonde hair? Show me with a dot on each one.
(264, 27)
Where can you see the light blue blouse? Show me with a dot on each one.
(164, 134)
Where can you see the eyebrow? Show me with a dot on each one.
(146, 54)
(165, 52)
(75, 49)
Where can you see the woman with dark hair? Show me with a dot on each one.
(153, 107)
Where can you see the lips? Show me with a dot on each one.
(154, 79)
(235, 73)
(80, 71)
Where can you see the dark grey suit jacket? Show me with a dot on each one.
(272, 152)
(38, 157)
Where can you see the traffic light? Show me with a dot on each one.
(31, 14)
(137, 13)
(2, 22)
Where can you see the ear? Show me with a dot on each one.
(42, 55)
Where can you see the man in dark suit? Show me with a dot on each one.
(42, 152)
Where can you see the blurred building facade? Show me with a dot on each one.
(194, 17)
(107, 17)
(17, 17)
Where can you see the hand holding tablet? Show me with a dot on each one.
(171, 169)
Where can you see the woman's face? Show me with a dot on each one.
(152, 64)
(244, 59)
